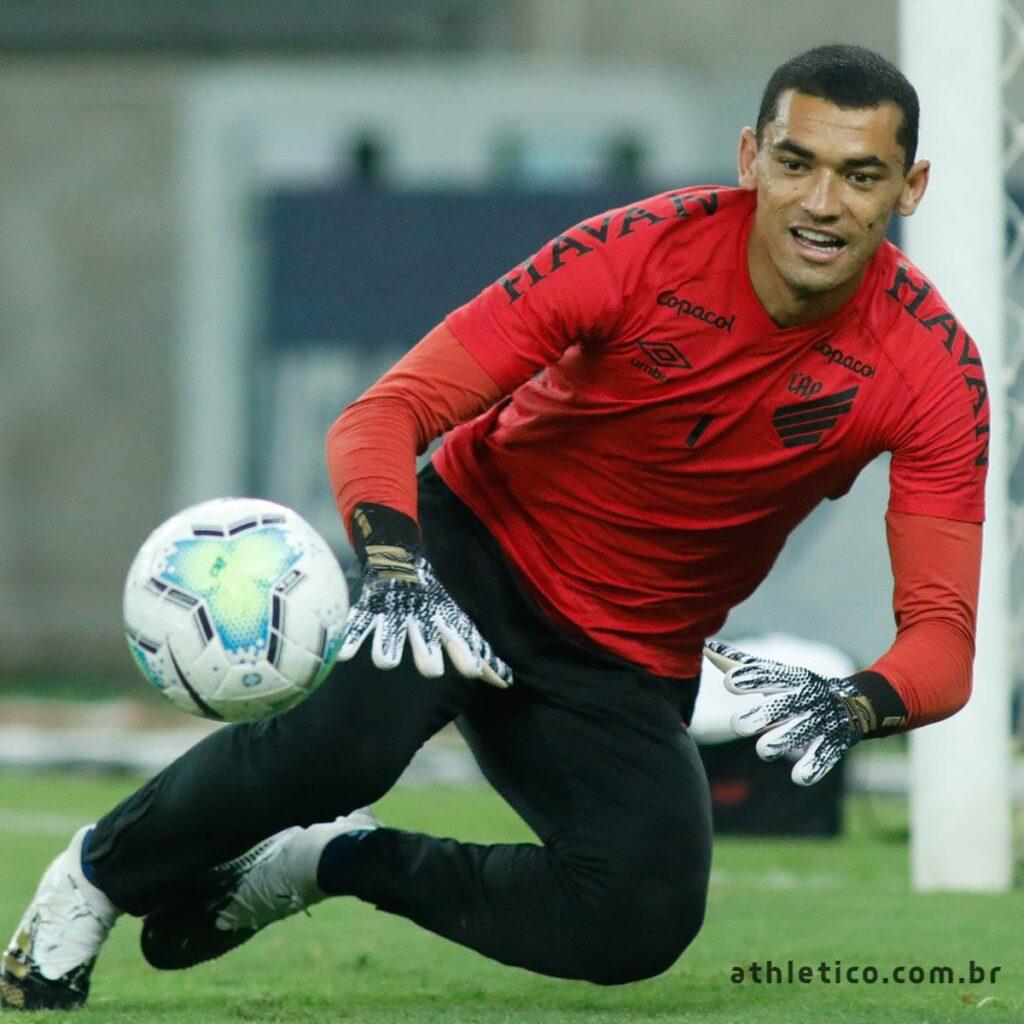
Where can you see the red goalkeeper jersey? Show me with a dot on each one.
(663, 437)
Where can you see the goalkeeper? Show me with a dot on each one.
(636, 417)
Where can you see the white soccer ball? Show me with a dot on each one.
(234, 609)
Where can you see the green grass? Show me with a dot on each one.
(77, 687)
(803, 900)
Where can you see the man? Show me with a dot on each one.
(639, 414)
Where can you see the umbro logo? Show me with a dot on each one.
(658, 357)
(806, 422)
(664, 353)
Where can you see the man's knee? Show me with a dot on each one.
(645, 902)
(643, 938)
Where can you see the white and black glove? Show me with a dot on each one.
(803, 709)
(402, 598)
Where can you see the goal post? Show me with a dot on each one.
(960, 801)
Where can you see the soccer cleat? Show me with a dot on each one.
(50, 959)
(233, 901)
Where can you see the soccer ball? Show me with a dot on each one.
(234, 609)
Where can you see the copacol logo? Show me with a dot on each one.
(663, 355)
(841, 358)
(684, 307)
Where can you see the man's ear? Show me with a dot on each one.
(747, 160)
(914, 188)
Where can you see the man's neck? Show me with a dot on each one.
(786, 307)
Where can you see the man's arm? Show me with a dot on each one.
(371, 455)
(372, 446)
(936, 567)
(925, 676)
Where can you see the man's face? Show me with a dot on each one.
(828, 181)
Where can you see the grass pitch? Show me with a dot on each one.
(806, 900)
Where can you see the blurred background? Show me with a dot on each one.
(222, 221)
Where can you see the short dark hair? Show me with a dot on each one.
(848, 76)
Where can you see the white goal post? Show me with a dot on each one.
(960, 769)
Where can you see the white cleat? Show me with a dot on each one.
(50, 959)
(233, 901)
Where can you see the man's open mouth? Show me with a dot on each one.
(821, 240)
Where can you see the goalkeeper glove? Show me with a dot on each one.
(402, 598)
(801, 709)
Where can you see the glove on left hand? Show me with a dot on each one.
(825, 715)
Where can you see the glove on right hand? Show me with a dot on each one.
(403, 598)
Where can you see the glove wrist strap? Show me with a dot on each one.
(379, 526)
(882, 710)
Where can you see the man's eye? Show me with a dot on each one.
(863, 179)
(792, 165)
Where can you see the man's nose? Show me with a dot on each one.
(821, 200)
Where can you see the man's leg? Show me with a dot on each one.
(342, 748)
(615, 790)
(589, 749)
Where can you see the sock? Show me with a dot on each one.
(332, 869)
(86, 866)
(89, 874)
